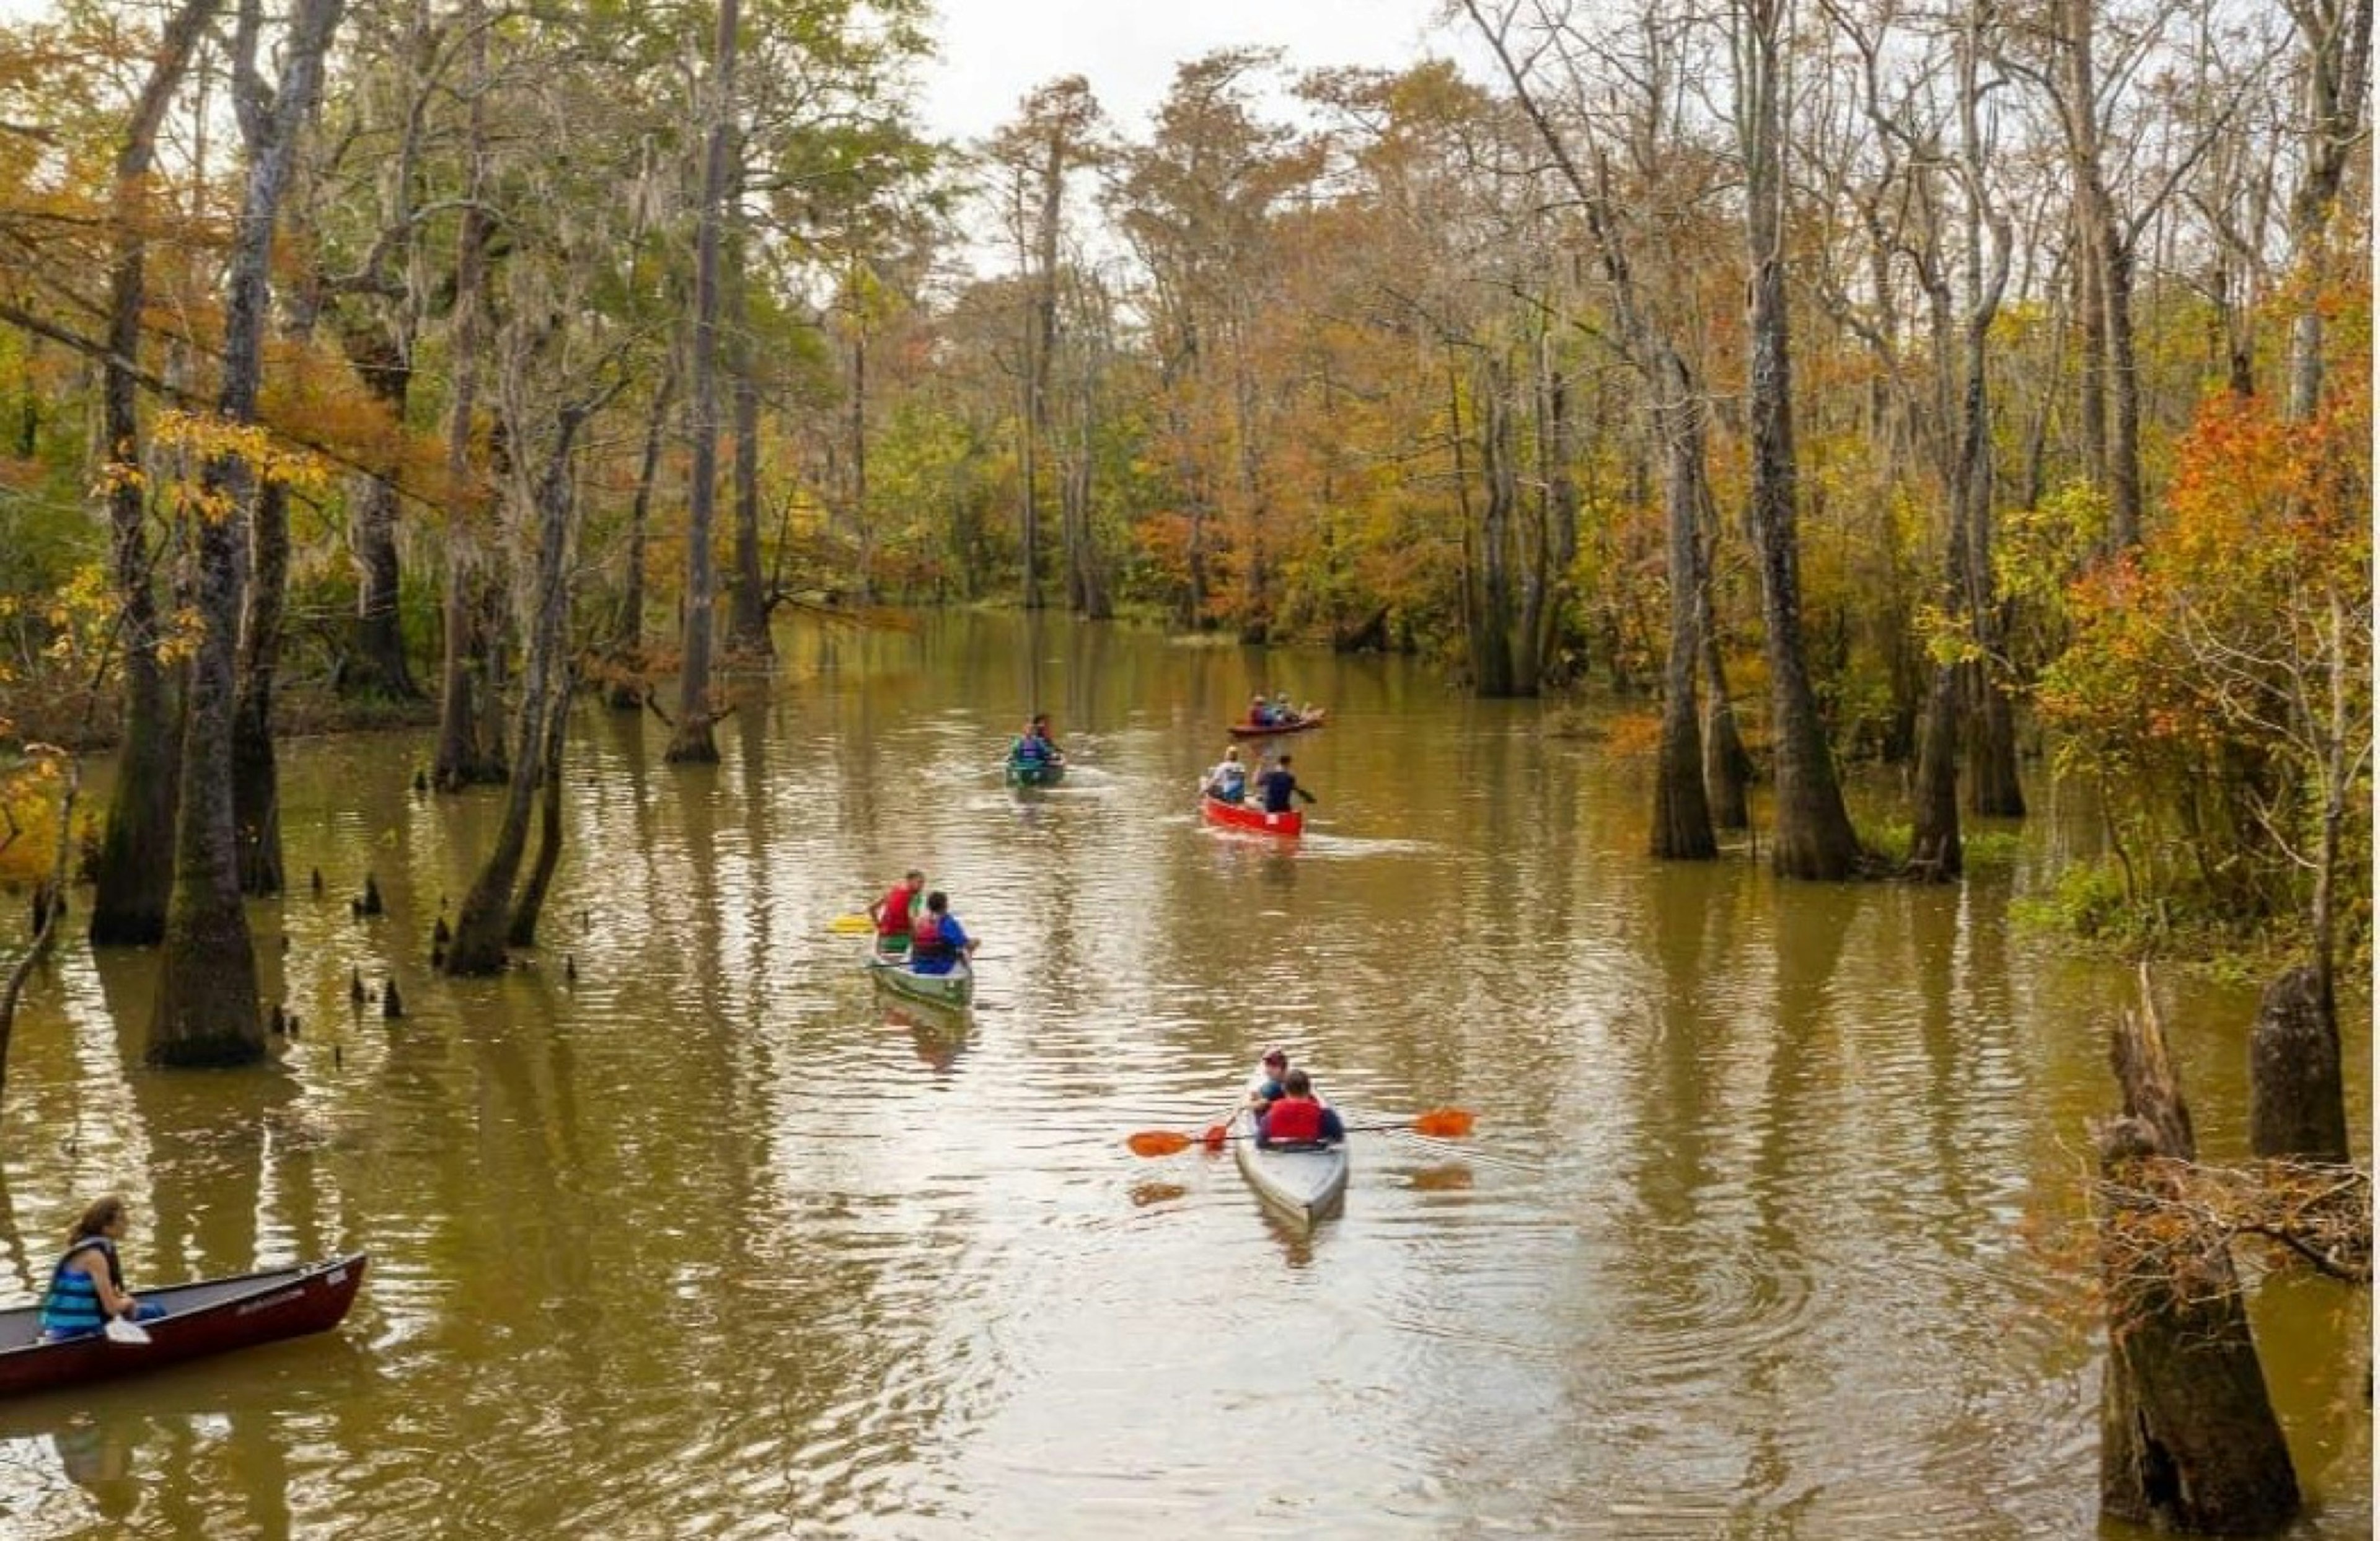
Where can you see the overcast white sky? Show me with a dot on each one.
(995, 51)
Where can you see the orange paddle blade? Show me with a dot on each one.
(1214, 1136)
(1445, 1124)
(1158, 1142)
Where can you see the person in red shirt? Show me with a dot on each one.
(895, 914)
(1299, 1118)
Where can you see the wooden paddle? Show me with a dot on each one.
(1444, 1124)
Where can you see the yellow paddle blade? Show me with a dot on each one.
(851, 925)
(1159, 1142)
(1445, 1124)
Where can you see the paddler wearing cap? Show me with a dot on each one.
(1270, 1090)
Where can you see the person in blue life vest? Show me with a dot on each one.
(1259, 711)
(87, 1283)
(938, 942)
(1036, 747)
(1279, 786)
(1227, 782)
(1298, 1118)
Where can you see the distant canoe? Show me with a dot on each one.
(1252, 816)
(1250, 730)
(213, 1316)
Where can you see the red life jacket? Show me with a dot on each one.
(926, 940)
(895, 921)
(1295, 1120)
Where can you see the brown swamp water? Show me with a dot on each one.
(711, 1241)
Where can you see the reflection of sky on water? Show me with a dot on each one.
(714, 1237)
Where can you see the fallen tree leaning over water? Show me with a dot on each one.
(2189, 1440)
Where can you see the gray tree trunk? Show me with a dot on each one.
(135, 869)
(1813, 835)
(206, 1002)
(693, 741)
(464, 757)
(2339, 47)
(485, 919)
(628, 636)
(748, 625)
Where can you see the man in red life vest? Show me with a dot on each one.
(1298, 1118)
(893, 914)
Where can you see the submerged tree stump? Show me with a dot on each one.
(2298, 1106)
(2188, 1439)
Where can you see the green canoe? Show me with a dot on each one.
(951, 991)
(1035, 772)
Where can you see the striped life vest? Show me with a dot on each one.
(71, 1308)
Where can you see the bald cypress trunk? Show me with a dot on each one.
(206, 1008)
(135, 869)
(693, 741)
(1813, 835)
(487, 915)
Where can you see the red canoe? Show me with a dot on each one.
(1249, 729)
(211, 1317)
(1251, 816)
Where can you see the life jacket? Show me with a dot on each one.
(71, 1308)
(895, 921)
(1294, 1120)
(925, 943)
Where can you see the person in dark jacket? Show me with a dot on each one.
(1279, 786)
(1299, 1118)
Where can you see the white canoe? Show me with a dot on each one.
(1306, 1182)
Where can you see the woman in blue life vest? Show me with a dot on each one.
(939, 941)
(87, 1283)
(1227, 782)
(1299, 1118)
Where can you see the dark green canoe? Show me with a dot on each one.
(1035, 772)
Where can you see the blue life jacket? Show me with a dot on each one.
(71, 1308)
